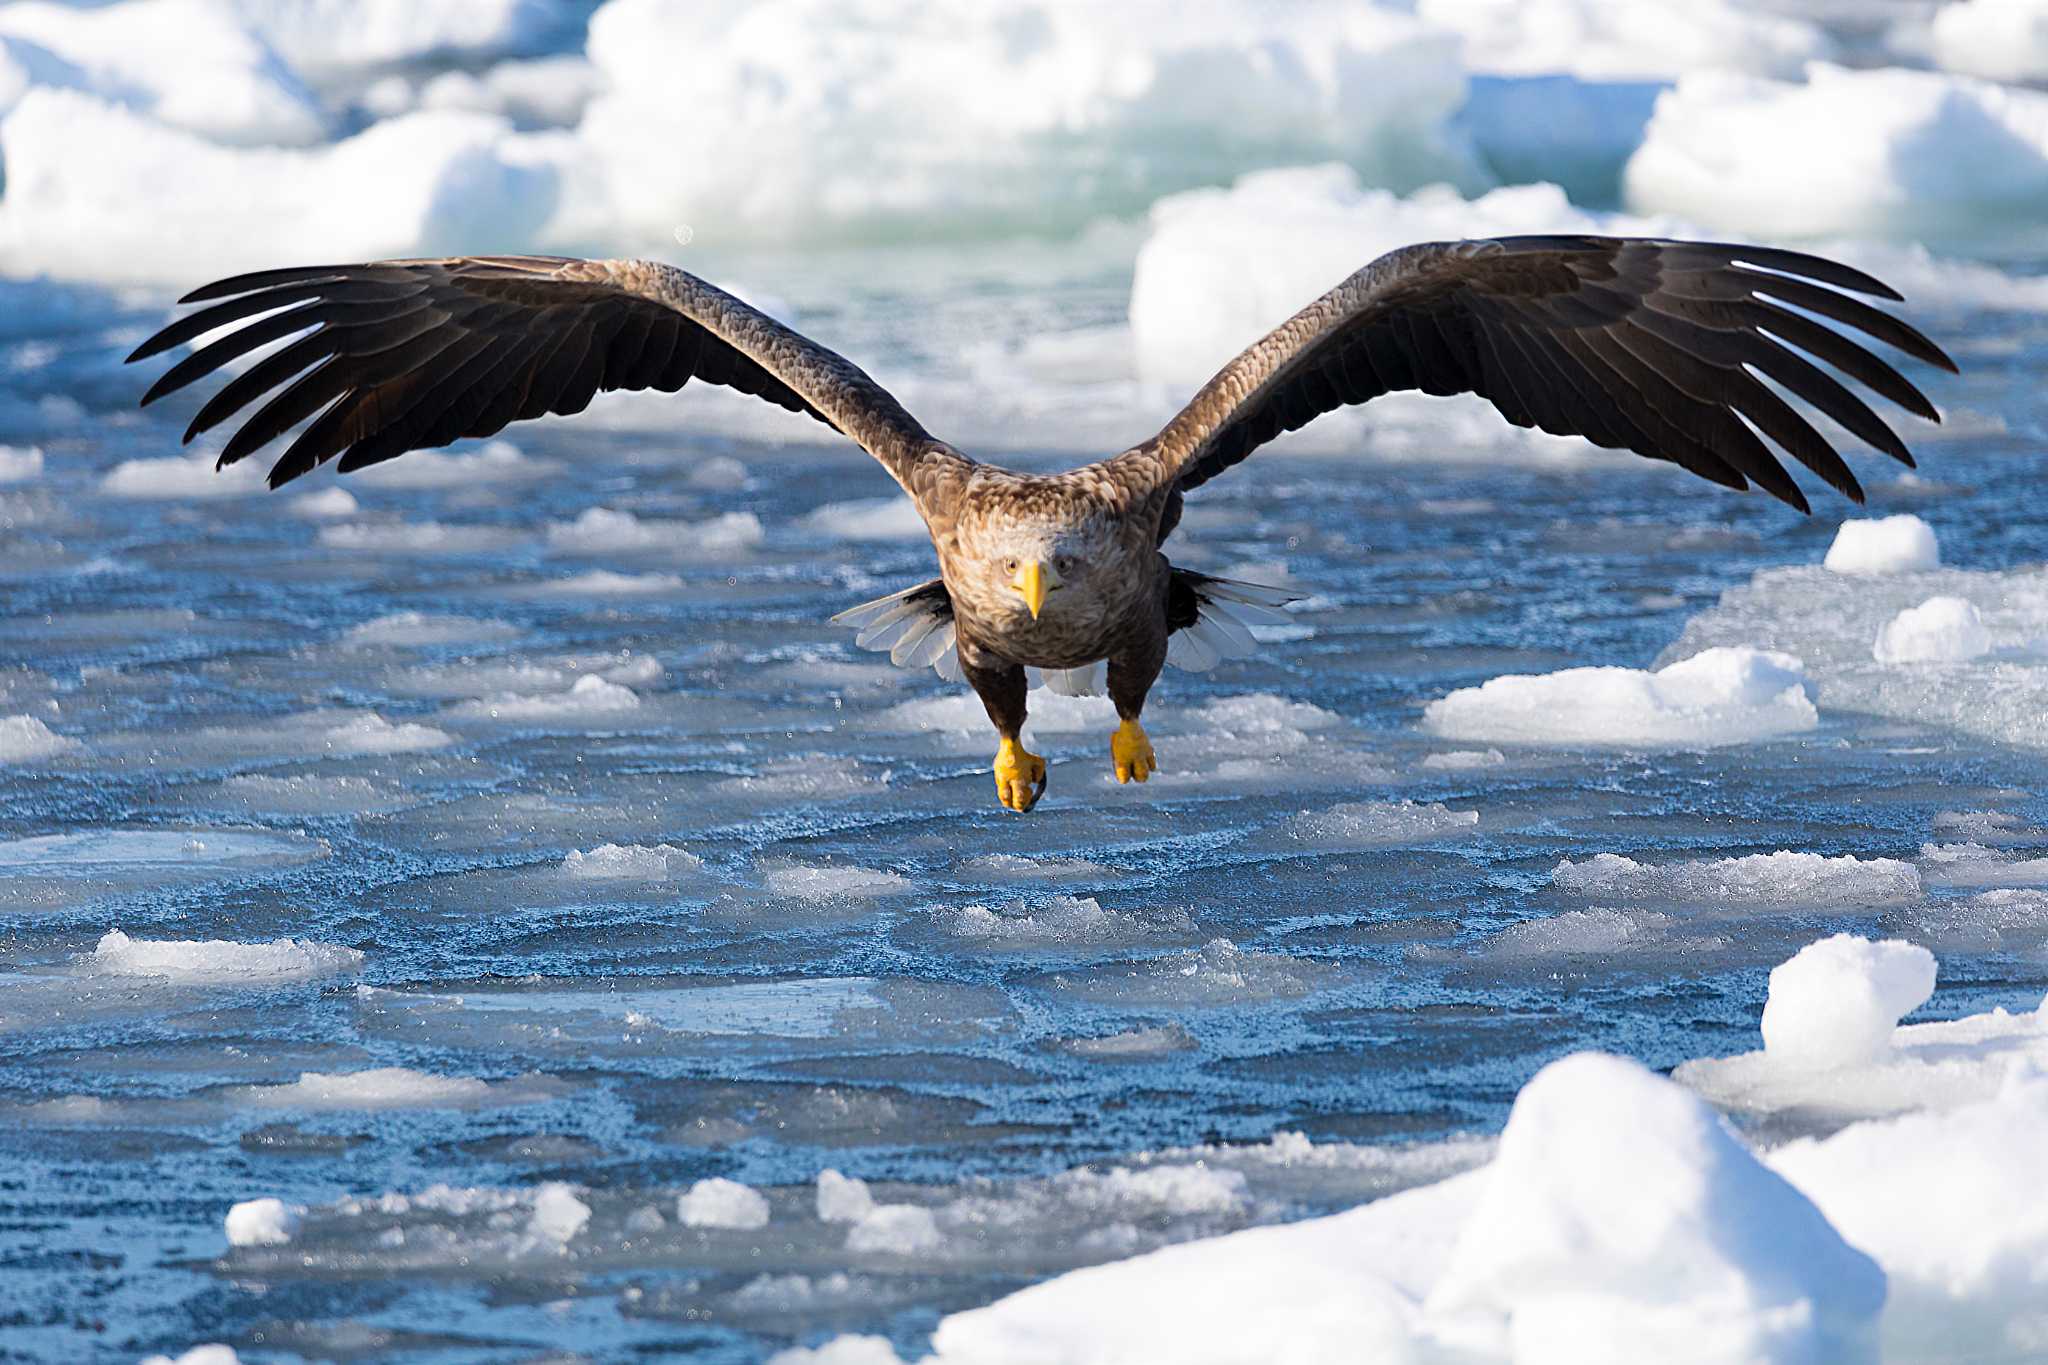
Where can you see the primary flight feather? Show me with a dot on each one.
(1660, 347)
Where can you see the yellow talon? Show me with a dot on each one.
(1020, 776)
(1132, 752)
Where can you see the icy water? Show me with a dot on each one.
(388, 732)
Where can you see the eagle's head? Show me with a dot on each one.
(1035, 565)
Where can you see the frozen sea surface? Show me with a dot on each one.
(567, 877)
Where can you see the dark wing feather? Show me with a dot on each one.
(394, 356)
(1644, 345)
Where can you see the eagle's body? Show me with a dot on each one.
(1659, 347)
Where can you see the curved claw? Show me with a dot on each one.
(1020, 776)
(1131, 750)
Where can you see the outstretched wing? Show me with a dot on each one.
(1653, 346)
(404, 355)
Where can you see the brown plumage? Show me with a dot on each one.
(1652, 346)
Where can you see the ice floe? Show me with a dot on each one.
(634, 862)
(867, 519)
(1900, 544)
(606, 531)
(1367, 824)
(1758, 881)
(416, 629)
(1730, 694)
(591, 696)
(176, 476)
(262, 1222)
(370, 733)
(329, 504)
(398, 1087)
(19, 464)
(718, 1203)
(25, 739)
(1939, 630)
(284, 959)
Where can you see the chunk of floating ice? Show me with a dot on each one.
(1803, 880)
(1618, 1198)
(637, 862)
(24, 739)
(1626, 42)
(213, 1353)
(2000, 40)
(397, 1087)
(842, 1198)
(591, 696)
(263, 1222)
(1062, 921)
(1836, 1002)
(18, 464)
(175, 476)
(417, 537)
(1939, 630)
(830, 882)
(1217, 974)
(895, 1230)
(1900, 544)
(1464, 760)
(424, 182)
(1363, 824)
(326, 505)
(602, 530)
(605, 583)
(558, 1214)
(284, 959)
(1136, 1044)
(1726, 695)
(717, 1203)
(496, 461)
(417, 628)
(370, 733)
(867, 519)
(1974, 864)
(1889, 154)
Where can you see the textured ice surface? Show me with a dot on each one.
(284, 959)
(1756, 881)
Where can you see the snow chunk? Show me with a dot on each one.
(867, 519)
(601, 530)
(842, 1198)
(1619, 1198)
(24, 739)
(591, 696)
(558, 1214)
(1939, 630)
(1888, 154)
(1062, 921)
(418, 628)
(395, 1087)
(284, 959)
(605, 583)
(1759, 880)
(173, 476)
(426, 184)
(637, 862)
(1611, 42)
(370, 733)
(1836, 1002)
(326, 505)
(813, 120)
(896, 1230)
(1367, 823)
(213, 1353)
(263, 1222)
(1901, 544)
(1464, 760)
(2000, 40)
(1725, 695)
(717, 1203)
(19, 464)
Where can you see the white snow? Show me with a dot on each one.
(18, 464)
(1624, 42)
(1900, 544)
(2000, 40)
(1888, 154)
(1062, 921)
(895, 1230)
(867, 519)
(813, 119)
(1939, 630)
(172, 476)
(1836, 1002)
(495, 461)
(636, 862)
(25, 739)
(558, 1214)
(591, 695)
(606, 531)
(395, 1087)
(1724, 695)
(842, 1198)
(262, 1222)
(370, 733)
(605, 583)
(322, 37)
(284, 959)
(420, 629)
(818, 883)
(1759, 880)
(328, 504)
(212, 1353)
(718, 1203)
(416, 537)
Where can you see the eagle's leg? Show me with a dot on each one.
(1020, 774)
(1131, 675)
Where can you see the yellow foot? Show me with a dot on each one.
(1132, 752)
(1020, 776)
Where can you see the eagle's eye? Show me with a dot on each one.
(1010, 567)
(1065, 564)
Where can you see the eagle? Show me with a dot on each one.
(1658, 346)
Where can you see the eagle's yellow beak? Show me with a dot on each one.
(1033, 581)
